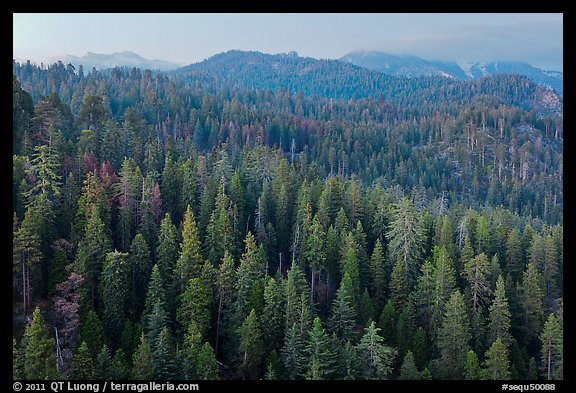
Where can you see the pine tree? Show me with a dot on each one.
(322, 359)
(398, 285)
(226, 281)
(194, 307)
(82, 363)
(374, 356)
(139, 267)
(472, 370)
(378, 275)
(103, 365)
(514, 254)
(219, 232)
(420, 348)
(552, 352)
(164, 357)
(531, 296)
(405, 237)
(387, 323)
(171, 187)
(350, 266)
(157, 321)
(27, 257)
(207, 367)
(38, 347)
(293, 353)
(93, 333)
(92, 251)
(190, 260)
(365, 308)
(272, 317)
(475, 271)
(114, 294)
(155, 293)
(315, 253)
(250, 348)
(408, 370)
(17, 366)
(497, 361)
(499, 325)
(167, 255)
(453, 337)
(119, 369)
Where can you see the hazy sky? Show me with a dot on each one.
(187, 38)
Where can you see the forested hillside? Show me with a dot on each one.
(274, 217)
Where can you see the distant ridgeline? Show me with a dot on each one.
(270, 216)
(493, 140)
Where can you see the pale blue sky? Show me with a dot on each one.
(188, 38)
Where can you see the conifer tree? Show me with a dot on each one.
(472, 369)
(103, 364)
(322, 359)
(378, 276)
(374, 356)
(164, 357)
(405, 237)
(194, 307)
(454, 336)
(408, 370)
(38, 347)
(82, 363)
(552, 351)
(139, 267)
(190, 259)
(272, 317)
(251, 347)
(497, 361)
(93, 333)
(114, 294)
(499, 325)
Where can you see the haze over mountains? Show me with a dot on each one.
(394, 65)
(118, 59)
(413, 66)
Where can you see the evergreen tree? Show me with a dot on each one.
(453, 337)
(387, 323)
(499, 325)
(38, 347)
(472, 370)
(82, 363)
(293, 353)
(497, 361)
(365, 308)
(408, 370)
(272, 317)
(250, 348)
(374, 356)
(164, 357)
(114, 294)
(207, 367)
(190, 260)
(406, 237)
(322, 359)
(93, 333)
(398, 285)
(552, 348)
(315, 253)
(120, 369)
(531, 296)
(194, 307)
(167, 255)
(475, 271)
(514, 254)
(420, 348)
(139, 267)
(103, 365)
(92, 251)
(378, 285)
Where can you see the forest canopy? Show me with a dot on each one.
(331, 223)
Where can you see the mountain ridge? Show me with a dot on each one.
(414, 66)
(118, 59)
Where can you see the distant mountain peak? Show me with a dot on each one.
(118, 59)
(413, 66)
